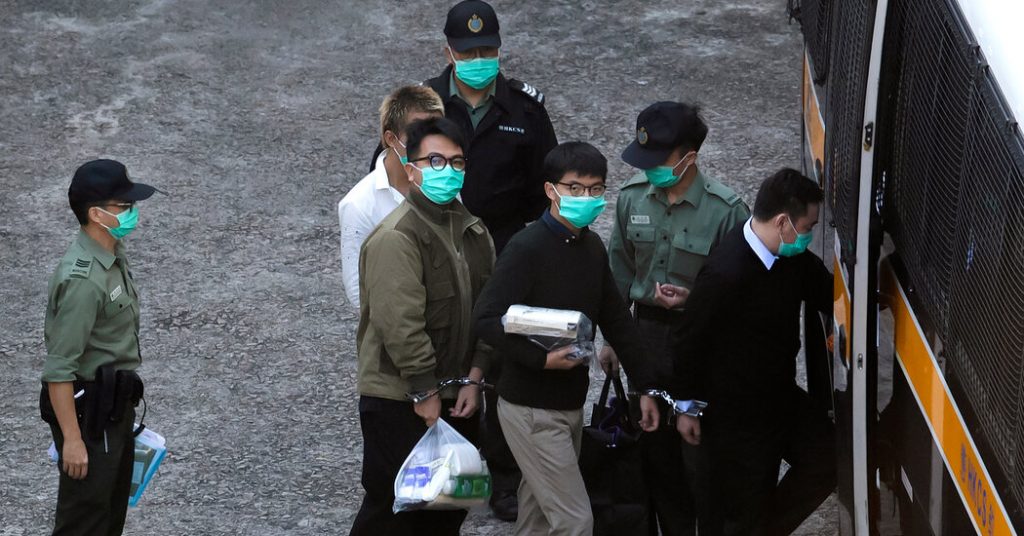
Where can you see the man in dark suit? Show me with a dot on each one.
(739, 339)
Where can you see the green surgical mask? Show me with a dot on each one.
(580, 211)
(662, 176)
(795, 248)
(476, 73)
(441, 186)
(126, 222)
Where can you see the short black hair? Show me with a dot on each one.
(80, 208)
(787, 191)
(434, 126)
(574, 156)
(693, 130)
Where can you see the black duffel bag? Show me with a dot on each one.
(611, 464)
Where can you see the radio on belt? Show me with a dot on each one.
(552, 328)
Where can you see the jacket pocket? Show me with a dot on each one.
(118, 306)
(440, 304)
(689, 252)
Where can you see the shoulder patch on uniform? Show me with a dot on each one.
(721, 191)
(527, 90)
(80, 269)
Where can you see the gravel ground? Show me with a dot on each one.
(256, 117)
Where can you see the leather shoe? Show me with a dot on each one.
(505, 505)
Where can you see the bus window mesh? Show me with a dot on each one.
(987, 292)
(815, 20)
(954, 210)
(846, 87)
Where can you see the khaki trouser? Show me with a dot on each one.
(546, 444)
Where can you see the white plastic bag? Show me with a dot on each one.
(444, 471)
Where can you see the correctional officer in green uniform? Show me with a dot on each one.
(668, 219)
(92, 345)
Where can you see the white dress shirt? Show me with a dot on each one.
(359, 212)
(762, 251)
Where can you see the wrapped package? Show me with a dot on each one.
(444, 471)
(552, 328)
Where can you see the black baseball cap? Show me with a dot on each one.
(105, 180)
(472, 24)
(660, 129)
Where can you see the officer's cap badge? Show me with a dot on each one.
(641, 135)
(475, 24)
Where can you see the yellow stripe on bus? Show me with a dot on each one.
(949, 431)
(841, 306)
(814, 124)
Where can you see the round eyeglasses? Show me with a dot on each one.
(438, 162)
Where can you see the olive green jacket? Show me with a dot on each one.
(421, 271)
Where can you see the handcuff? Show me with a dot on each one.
(690, 408)
(420, 396)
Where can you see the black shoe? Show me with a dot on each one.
(505, 505)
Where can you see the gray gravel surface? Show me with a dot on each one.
(256, 117)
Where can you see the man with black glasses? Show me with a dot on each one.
(420, 270)
(557, 262)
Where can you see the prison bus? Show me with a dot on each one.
(910, 125)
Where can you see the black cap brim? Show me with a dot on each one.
(465, 43)
(641, 157)
(138, 192)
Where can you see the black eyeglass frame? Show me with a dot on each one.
(578, 190)
(439, 161)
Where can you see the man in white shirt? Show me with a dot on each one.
(385, 187)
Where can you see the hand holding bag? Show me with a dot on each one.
(611, 464)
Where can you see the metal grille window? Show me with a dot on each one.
(846, 91)
(815, 21)
(986, 314)
(955, 210)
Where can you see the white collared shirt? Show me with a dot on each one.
(762, 251)
(359, 212)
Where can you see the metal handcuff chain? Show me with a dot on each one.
(416, 398)
(690, 408)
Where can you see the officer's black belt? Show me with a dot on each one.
(657, 314)
(102, 401)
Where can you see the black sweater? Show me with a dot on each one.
(545, 266)
(740, 330)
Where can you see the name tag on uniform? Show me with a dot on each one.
(640, 219)
(115, 293)
(514, 130)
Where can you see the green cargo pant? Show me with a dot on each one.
(97, 505)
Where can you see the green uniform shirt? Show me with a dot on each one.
(476, 113)
(92, 314)
(654, 242)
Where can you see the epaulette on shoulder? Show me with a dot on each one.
(80, 268)
(722, 191)
(527, 90)
(636, 180)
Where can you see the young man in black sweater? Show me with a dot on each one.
(558, 263)
(740, 335)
